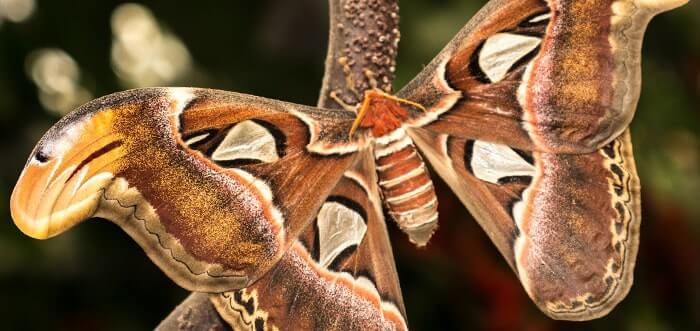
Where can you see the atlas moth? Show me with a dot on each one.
(276, 207)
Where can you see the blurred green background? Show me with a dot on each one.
(55, 55)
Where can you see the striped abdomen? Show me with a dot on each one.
(406, 187)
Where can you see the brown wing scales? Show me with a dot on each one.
(339, 275)
(570, 231)
(558, 76)
(211, 222)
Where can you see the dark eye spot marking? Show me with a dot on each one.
(41, 157)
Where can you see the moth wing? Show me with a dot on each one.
(340, 275)
(568, 224)
(214, 185)
(550, 76)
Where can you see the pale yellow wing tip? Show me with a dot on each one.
(29, 229)
(24, 222)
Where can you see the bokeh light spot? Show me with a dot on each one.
(16, 10)
(57, 76)
(143, 53)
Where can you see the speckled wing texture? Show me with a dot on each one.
(568, 224)
(339, 275)
(526, 119)
(553, 76)
(277, 208)
(215, 186)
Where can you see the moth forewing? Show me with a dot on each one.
(509, 69)
(191, 174)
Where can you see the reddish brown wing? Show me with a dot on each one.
(567, 224)
(213, 185)
(552, 76)
(339, 275)
(522, 83)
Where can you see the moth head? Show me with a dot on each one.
(66, 174)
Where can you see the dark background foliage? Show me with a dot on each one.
(95, 278)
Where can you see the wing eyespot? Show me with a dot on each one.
(539, 18)
(340, 228)
(41, 157)
(244, 143)
(496, 163)
(503, 51)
